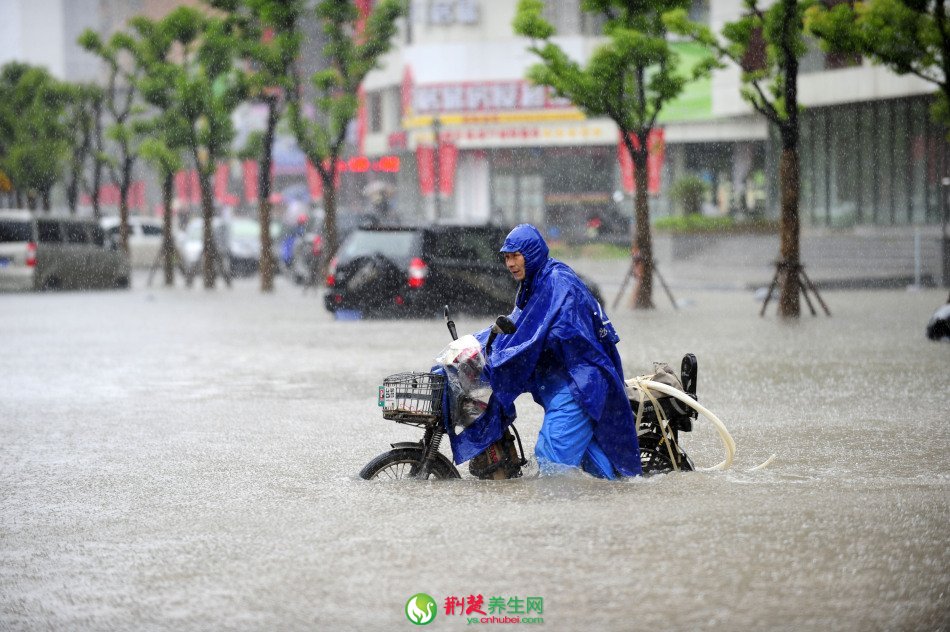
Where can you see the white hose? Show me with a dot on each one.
(727, 441)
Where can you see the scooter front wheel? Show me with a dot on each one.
(398, 464)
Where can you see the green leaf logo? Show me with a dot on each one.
(421, 609)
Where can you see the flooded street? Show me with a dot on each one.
(186, 460)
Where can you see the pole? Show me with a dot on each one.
(917, 259)
(437, 130)
(945, 241)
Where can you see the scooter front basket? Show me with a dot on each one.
(414, 398)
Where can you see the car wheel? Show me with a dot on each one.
(51, 284)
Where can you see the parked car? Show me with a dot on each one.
(145, 238)
(239, 237)
(308, 248)
(415, 271)
(46, 252)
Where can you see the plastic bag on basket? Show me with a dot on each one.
(469, 391)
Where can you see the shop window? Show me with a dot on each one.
(884, 174)
(843, 165)
(867, 201)
(900, 139)
(564, 16)
(918, 162)
(821, 145)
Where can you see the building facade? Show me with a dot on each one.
(869, 152)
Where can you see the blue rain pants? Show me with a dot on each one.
(567, 436)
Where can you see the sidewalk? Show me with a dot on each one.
(858, 259)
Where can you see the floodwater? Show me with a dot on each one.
(183, 460)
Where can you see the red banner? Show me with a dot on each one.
(250, 180)
(137, 195)
(426, 164)
(314, 182)
(221, 183)
(109, 195)
(448, 157)
(425, 161)
(194, 187)
(656, 149)
(181, 186)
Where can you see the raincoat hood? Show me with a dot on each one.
(527, 240)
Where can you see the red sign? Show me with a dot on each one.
(221, 182)
(656, 147)
(314, 182)
(483, 96)
(250, 180)
(425, 161)
(448, 156)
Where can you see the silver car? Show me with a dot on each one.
(41, 251)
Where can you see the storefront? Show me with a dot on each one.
(877, 162)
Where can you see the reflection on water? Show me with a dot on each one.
(190, 462)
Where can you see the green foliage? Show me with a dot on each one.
(693, 223)
(349, 60)
(128, 125)
(628, 78)
(766, 43)
(907, 37)
(33, 127)
(701, 224)
(689, 191)
(193, 82)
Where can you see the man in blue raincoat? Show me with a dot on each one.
(564, 353)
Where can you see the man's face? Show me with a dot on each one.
(515, 263)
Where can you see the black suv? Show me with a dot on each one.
(393, 271)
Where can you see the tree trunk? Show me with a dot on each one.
(789, 178)
(330, 238)
(209, 248)
(168, 245)
(268, 265)
(643, 245)
(96, 163)
(790, 264)
(124, 214)
(72, 191)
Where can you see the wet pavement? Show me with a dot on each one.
(179, 459)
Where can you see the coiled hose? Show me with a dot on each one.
(645, 386)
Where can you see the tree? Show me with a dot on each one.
(908, 37)
(208, 87)
(167, 140)
(80, 127)
(270, 44)
(32, 131)
(128, 125)
(629, 78)
(350, 53)
(767, 43)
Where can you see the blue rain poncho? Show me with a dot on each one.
(563, 339)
